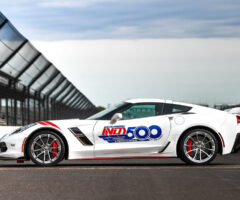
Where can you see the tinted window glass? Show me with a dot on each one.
(4, 52)
(52, 84)
(139, 111)
(174, 108)
(28, 52)
(59, 88)
(142, 110)
(1, 18)
(10, 37)
(131, 111)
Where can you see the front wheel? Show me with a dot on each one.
(46, 148)
(198, 147)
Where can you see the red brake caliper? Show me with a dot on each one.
(189, 148)
(55, 150)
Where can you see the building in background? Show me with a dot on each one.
(31, 87)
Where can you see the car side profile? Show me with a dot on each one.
(137, 128)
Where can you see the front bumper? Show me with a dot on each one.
(236, 146)
(11, 147)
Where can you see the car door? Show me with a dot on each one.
(141, 132)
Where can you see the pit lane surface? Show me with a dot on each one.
(122, 179)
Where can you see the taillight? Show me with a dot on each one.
(238, 119)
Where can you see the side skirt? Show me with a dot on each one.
(128, 157)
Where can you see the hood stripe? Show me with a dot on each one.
(49, 123)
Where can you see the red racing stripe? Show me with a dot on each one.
(222, 139)
(46, 123)
(43, 123)
(21, 159)
(52, 124)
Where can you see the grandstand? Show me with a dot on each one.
(31, 87)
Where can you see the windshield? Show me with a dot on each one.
(105, 112)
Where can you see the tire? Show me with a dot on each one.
(46, 148)
(198, 147)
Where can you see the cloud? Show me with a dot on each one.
(71, 3)
(183, 28)
(124, 19)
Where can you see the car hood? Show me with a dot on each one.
(62, 124)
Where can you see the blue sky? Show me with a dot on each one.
(124, 19)
(113, 50)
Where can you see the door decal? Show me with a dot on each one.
(115, 134)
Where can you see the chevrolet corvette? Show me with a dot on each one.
(137, 128)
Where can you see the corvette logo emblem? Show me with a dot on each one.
(114, 134)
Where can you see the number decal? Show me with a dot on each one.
(155, 131)
(113, 134)
(142, 132)
(130, 132)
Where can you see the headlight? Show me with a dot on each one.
(23, 128)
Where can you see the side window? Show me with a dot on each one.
(142, 110)
(139, 111)
(174, 108)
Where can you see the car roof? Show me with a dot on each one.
(197, 108)
(148, 101)
(158, 101)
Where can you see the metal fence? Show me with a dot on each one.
(31, 87)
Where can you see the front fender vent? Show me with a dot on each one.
(3, 147)
(81, 136)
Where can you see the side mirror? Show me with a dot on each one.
(116, 117)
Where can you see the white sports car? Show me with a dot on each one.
(140, 128)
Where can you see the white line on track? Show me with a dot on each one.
(118, 168)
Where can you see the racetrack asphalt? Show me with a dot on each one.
(140, 179)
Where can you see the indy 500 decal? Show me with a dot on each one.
(113, 134)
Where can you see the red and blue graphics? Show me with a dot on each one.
(114, 134)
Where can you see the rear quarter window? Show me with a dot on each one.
(175, 108)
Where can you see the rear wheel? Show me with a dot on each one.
(46, 148)
(198, 147)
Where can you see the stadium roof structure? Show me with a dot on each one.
(33, 82)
